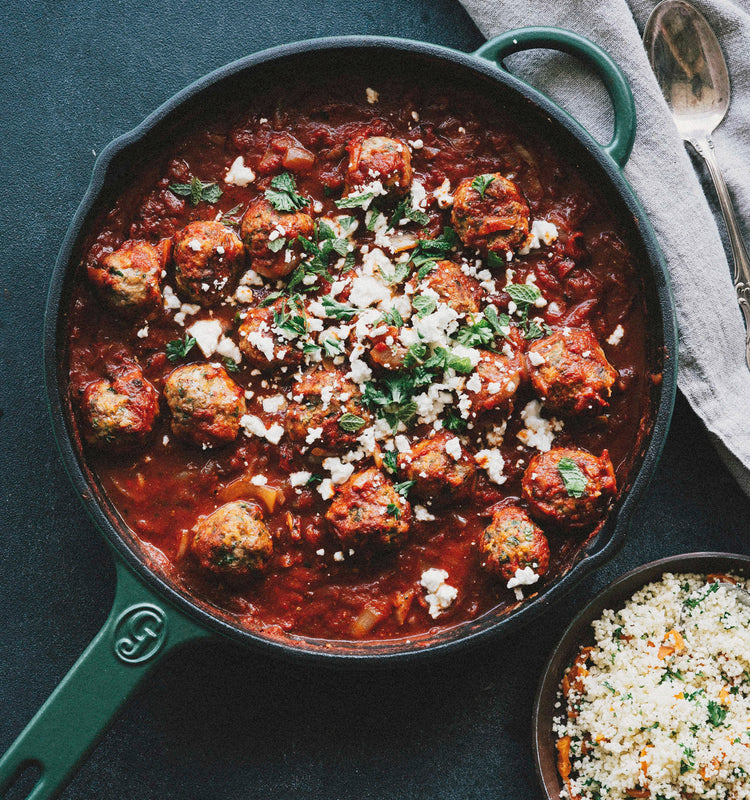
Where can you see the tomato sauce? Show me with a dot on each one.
(589, 276)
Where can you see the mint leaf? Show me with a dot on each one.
(351, 422)
(177, 348)
(283, 194)
(196, 190)
(423, 305)
(523, 293)
(275, 245)
(573, 479)
(355, 201)
(335, 309)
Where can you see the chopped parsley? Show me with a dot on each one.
(231, 217)
(481, 182)
(196, 190)
(230, 364)
(289, 320)
(687, 763)
(573, 479)
(179, 348)
(404, 210)
(390, 461)
(453, 422)
(283, 194)
(717, 713)
(403, 488)
(693, 602)
(393, 510)
(431, 250)
(333, 347)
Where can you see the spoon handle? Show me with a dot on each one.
(705, 148)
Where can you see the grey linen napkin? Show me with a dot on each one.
(713, 375)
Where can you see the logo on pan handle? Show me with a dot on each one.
(140, 632)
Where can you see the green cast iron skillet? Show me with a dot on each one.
(151, 615)
(579, 634)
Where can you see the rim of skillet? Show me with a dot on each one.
(345, 653)
(577, 633)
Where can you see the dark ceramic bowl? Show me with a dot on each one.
(579, 634)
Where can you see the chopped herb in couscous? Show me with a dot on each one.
(659, 708)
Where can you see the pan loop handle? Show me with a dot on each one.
(514, 41)
(140, 630)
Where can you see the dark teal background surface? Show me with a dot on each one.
(217, 721)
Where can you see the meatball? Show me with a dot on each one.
(233, 540)
(206, 404)
(271, 238)
(461, 292)
(497, 222)
(120, 414)
(369, 514)
(497, 377)
(437, 474)
(264, 343)
(129, 279)
(321, 398)
(570, 372)
(382, 159)
(511, 542)
(569, 487)
(207, 257)
(386, 351)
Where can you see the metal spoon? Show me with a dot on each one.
(692, 73)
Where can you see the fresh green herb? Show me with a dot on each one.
(610, 687)
(179, 348)
(337, 310)
(323, 230)
(533, 330)
(290, 322)
(573, 479)
(310, 349)
(425, 269)
(313, 480)
(393, 510)
(453, 422)
(434, 249)
(196, 190)
(717, 713)
(351, 423)
(355, 200)
(415, 355)
(283, 194)
(404, 210)
(477, 334)
(371, 219)
(333, 347)
(672, 675)
(693, 602)
(481, 182)
(270, 299)
(523, 293)
(390, 461)
(391, 317)
(423, 305)
(403, 488)
(496, 260)
(688, 760)
(230, 217)
(230, 364)
(500, 322)
(274, 245)
(400, 273)
(443, 359)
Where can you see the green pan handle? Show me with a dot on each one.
(140, 630)
(568, 42)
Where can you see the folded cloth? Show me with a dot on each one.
(712, 374)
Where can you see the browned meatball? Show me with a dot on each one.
(499, 376)
(129, 279)
(271, 238)
(368, 513)
(233, 540)
(207, 257)
(461, 292)
(496, 223)
(386, 351)
(206, 404)
(570, 372)
(379, 158)
(264, 343)
(321, 399)
(437, 474)
(569, 487)
(120, 414)
(511, 542)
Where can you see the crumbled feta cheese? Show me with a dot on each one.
(338, 556)
(418, 195)
(253, 426)
(313, 435)
(251, 278)
(442, 194)
(299, 478)
(439, 595)
(402, 444)
(206, 333)
(417, 144)
(143, 332)
(171, 301)
(238, 174)
(523, 577)
(259, 480)
(368, 291)
(261, 342)
(493, 463)
(453, 448)
(541, 231)
(228, 349)
(195, 246)
(340, 472)
(325, 489)
(372, 95)
(421, 514)
(273, 403)
(539, 432)
(616, 336)
(536, 359)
